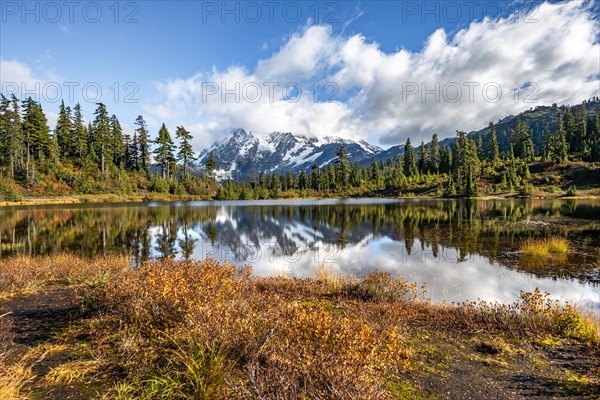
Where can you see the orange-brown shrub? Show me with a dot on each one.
(278, 348)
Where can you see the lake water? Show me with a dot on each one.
(461, 249)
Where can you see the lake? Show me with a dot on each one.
(461, 249)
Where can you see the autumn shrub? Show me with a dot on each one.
(211, 328)
(380, 286)
(9, 190)
(316, 354)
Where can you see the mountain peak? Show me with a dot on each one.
(242, 154)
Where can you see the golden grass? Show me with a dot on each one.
(554, 246)
(327, 274)
(14, 374)
(71, 372)
(21, 275)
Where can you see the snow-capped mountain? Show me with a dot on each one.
(242, 154)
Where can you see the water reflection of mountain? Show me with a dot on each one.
(246, 231)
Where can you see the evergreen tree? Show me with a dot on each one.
(480, 151)
(315, 177)
(185, 153)
(163, 154)
(522, 142)
(424, 159)
(583, 147)
(35, 128)
(342, 166)
(64, 132)
(466, 164)
(446, 159)
(547, 149)
(331, 172)
(11, 134)
(118, 147)
(493, 153)
(375, 172)
(303, 180)
(101, 134)
(356, 175)
(4, 134)
(570, 125)
(211, 164)
(560, 149)
(410, 166)
(143, 145)
(80, 134)
(434, 157)
(133, 151)
(594, 137)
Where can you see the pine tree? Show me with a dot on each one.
(211, 164)
(35, 127)
(424, 160)
(522, 142)
(163, 154)
(594, 136)
(581, 133)
(434, 157)
(64, 132)
(303, 180)
(343, 169)
(410, 166)
(375, 173)
(185, 153)
(547, 149)
(466, 164)
(493, 153)
(11, 130)
(143, 145)
(118, 143)
(315, 177)
(101, 134)
(4, 132)
(446, 159)
(480, 151)
(80, 134)
(356, 175)
(570, 125)
(333, 181)
(560, 149)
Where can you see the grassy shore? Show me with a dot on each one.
(161, 197)
(96, 328)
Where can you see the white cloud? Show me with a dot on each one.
(557, 55)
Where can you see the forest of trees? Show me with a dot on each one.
(98, 157)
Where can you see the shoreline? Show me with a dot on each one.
(167, 198)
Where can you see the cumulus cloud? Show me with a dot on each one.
(19, 79)
(490, 69)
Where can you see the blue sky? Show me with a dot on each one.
(157, 58)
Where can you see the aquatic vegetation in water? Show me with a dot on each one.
(554, 246)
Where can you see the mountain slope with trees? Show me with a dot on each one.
(554, 147)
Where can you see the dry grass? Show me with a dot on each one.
(24, 274)
(14, 374)
(327, 274)
(71, 372)
(554, 246)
